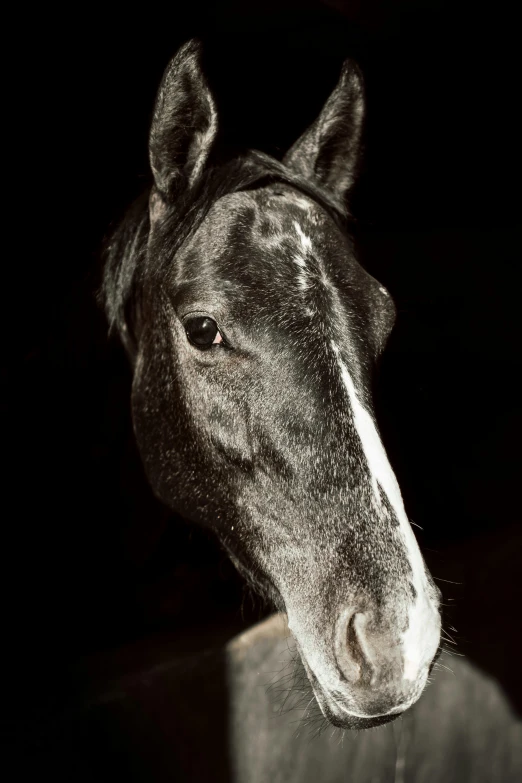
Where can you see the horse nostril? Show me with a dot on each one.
(353, 656)
(369, 654)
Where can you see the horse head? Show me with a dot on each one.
(254, 334)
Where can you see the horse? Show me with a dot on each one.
(254, 335)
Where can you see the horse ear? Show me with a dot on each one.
(184, 124)
(328, 152)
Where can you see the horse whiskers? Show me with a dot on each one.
(450, 637)
(450, 652)
(438, 665)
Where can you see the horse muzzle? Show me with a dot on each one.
(376, 671)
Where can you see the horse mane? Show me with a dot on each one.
(125, 252)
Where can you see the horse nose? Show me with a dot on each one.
(376, 666)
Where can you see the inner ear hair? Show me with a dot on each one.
(184, 124)
(328, 152)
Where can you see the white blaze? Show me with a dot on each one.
(419, 641)
(306, 242)
(306, 245)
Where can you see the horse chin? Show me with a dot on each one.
(338, 717)
(360, 723)
(341, 717)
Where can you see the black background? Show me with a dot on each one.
(93, 567)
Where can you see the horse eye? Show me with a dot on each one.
(202, 331)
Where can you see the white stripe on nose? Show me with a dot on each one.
(421, 638)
